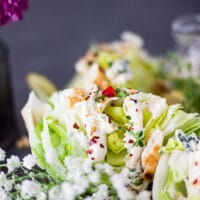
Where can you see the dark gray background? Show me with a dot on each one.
(55, 33)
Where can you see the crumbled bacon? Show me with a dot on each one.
(101, 145)
(93, 140)
(130, 141)
(78, 95)
(89, 151)
(151, 162)
(195, 181)
(93, 129)
(130, 128)
(75, 125)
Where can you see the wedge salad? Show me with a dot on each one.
(122, 62)
(116, 143)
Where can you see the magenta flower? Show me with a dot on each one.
(11, 10)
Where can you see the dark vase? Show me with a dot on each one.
(8, 129)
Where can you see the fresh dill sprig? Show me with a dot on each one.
(189, 86)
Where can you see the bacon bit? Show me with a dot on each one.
(130, 141)
(196, 163)
(148, 175)
(93, 140)
(75, 125)
(109, 92)
(98, 110)
(78, 95)
(195, 181)
(93, 129)
(151, 162)
(130, 128)
(89, 151)
(86, 98)
(109, 120)
(131, 155)
(92, 158)
(136, 110)
(101, 145)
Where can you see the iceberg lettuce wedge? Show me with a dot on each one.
(177, 174)
(49, 139)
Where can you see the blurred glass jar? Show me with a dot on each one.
(186, 32)
(8, 130)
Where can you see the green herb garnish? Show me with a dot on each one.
(138, 138)
(121, 93)
(99, 99)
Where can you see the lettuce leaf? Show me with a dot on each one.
(105, 59)
(58, 137)
(192, 126)
(173, 176)
(179, 119)
(116, 113)
(172, 144)
(116, 159)
(115, 142)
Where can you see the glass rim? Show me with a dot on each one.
(187, 25)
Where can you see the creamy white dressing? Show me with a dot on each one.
(156, 105)
(96, 124)
(62, 110)
(97, 127)
(133, 106)
(187, 165)
(133, 109)
(133, 157)
(136, 103)
(97, 141)
(119, 72)
(91, 75)
(193, 183)
(86, 112)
